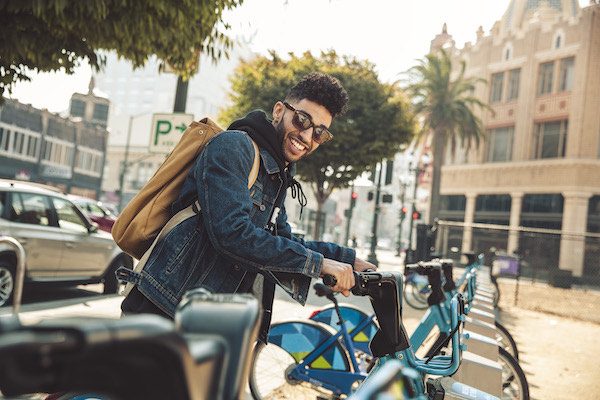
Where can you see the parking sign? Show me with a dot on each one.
(167, 130)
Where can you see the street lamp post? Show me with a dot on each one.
(126, 161)
(401, 217)
(372, 258)
(409, 250)
(349, 214)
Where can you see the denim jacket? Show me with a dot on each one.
(228, 239)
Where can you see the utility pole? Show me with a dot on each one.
(180, 95)
(125, 166)
(372, 258)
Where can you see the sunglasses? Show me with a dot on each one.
(303, 121)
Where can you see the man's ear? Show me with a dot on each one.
(278, 110)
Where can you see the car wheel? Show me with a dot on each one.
(111, 283)
(7, 284)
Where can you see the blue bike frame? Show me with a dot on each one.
(334, 380)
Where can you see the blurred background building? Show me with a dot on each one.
(538, 167)
(63, 151)
(138, 93)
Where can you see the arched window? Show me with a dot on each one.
(507, 53)
(559, 39)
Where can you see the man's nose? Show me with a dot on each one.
(307, 135)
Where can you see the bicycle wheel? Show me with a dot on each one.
(514, 382)
(415, 296)
(506, 341)
(268, 376)
(496, 299)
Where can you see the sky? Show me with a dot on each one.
(392, 34)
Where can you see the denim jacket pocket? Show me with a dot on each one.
(256, 195)
(181, 250)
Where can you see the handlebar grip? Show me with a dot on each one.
(329, 280)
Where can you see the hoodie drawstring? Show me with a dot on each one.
(298, 193)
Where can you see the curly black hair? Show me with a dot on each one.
(323, 89)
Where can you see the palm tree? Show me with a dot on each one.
(445, 107)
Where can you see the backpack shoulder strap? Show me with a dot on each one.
(255, 166)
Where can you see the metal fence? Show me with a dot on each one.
(542, 285)
(538, 249)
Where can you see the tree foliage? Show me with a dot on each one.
(51, 35)
(446, 105)
(446, 108)
(376, 124)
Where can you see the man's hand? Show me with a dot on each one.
(362, 265)
(342, 272)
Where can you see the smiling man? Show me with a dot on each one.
(241, 241)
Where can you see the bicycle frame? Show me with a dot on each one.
(439, 365)
(338, 381)
(435, 315)
(323, 316)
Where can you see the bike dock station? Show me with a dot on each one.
(479, 367)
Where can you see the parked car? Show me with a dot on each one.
(62, 245)
(96, 211)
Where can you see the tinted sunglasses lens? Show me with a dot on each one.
(301, 121)
(321, 135)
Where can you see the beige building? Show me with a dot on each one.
(540, 164)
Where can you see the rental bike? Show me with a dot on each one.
(303, 353)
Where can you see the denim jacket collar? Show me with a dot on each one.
(271, 165)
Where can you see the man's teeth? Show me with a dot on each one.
(298, 145)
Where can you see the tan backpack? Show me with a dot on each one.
(147, 217)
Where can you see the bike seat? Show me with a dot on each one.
(138, 356)
(234, 318)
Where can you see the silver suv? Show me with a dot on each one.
(61, 244)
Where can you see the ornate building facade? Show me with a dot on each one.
(539, 166)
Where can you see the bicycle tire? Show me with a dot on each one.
(506, 340)
(411, 298)
(299, 390)
(496, 299)
(513, 377)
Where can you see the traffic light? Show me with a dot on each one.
(416, 216)
(403, 212)
(370, 196)
(353, 198)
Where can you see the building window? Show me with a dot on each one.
(497, 83)
(542, 211)
(514, 77)
(508, 51)
(100, 112)
(453, 202)
(550, 139)
(88, 161)
(567, 70)
(19, 144)
(557, 42)
(145, 170)
(493, 202)
(500, 144)
(545, 78)
(77, 108)
(58, 152)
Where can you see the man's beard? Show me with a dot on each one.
(281, 136)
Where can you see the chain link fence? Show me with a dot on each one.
(571, 289)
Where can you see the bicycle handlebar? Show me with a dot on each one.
(360, 281)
